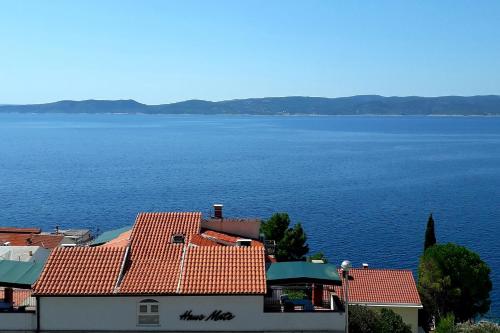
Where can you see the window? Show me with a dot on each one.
(178, 239)
(148, 312)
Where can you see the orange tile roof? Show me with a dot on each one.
(26, 239)
(121, 241)
(227, 239)
(19, 295)
(224, 270)
(20, 230)
(154, 260)
(199, 240)
(155, 265)
(80, 271)
(219, 236)
(381, 286)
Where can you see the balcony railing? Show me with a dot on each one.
(310, 298)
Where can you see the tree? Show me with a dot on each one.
(290, 242)
(430, 235)
(446, 324)
(365, 320)
(453, 279)
(391, 322)
(275, 227)
(293, 246)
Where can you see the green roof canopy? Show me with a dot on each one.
(19, 274)
(109, 235)
(302, 272)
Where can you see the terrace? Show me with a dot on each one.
(302, 287)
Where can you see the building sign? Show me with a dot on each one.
(216, 315)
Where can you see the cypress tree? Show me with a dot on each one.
(430, 235)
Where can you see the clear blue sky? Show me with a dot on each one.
(160, 52)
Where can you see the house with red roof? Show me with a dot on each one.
(176, 271)
(174, 275)
(394, 289)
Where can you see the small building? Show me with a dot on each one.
(394, 289)
(10, 236)
(24, 253)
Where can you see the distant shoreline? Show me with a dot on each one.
(363, 105)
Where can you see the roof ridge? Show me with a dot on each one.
(181, 268)
(121, 273)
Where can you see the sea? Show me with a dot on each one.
(362, 186)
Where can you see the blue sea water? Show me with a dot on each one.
(363, 187)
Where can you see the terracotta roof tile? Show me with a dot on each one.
(381, 286)
(19, 295)
(20, 230)
(80, 271)
(23, 239)
(121, 241)
(224, 270)
(219, 236)
(227, 239)
(154, 260)
(155, 265)
(199, 240)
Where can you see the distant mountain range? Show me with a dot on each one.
(354, 105)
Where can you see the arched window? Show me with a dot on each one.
(148, 312)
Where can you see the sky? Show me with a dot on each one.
(164, 51)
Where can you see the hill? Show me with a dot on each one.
(354, 105)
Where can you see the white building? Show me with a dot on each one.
(172, 277)
(174, 272)
(394, 289)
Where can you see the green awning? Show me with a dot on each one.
(302, 272)
(109, 235)
(19, 274)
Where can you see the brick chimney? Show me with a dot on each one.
(218, 211)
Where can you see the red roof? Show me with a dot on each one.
(20, 230)
(19, 295)
(154, 260)
(227, 239)
(26, 239)
(199, 240)
(156, 265)
(80, 271)
(224, 270)
(121, 241)
(381, 286)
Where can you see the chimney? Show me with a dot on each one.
(218, 211)
(365, 266)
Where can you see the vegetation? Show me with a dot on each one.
(318, 256)
(365, 320)
(453, 279)
(430, 235)
(482, 327)
(447, 325)
(291, 243)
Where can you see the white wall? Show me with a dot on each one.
(17, 321)
(120, 314)
(22, 253)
